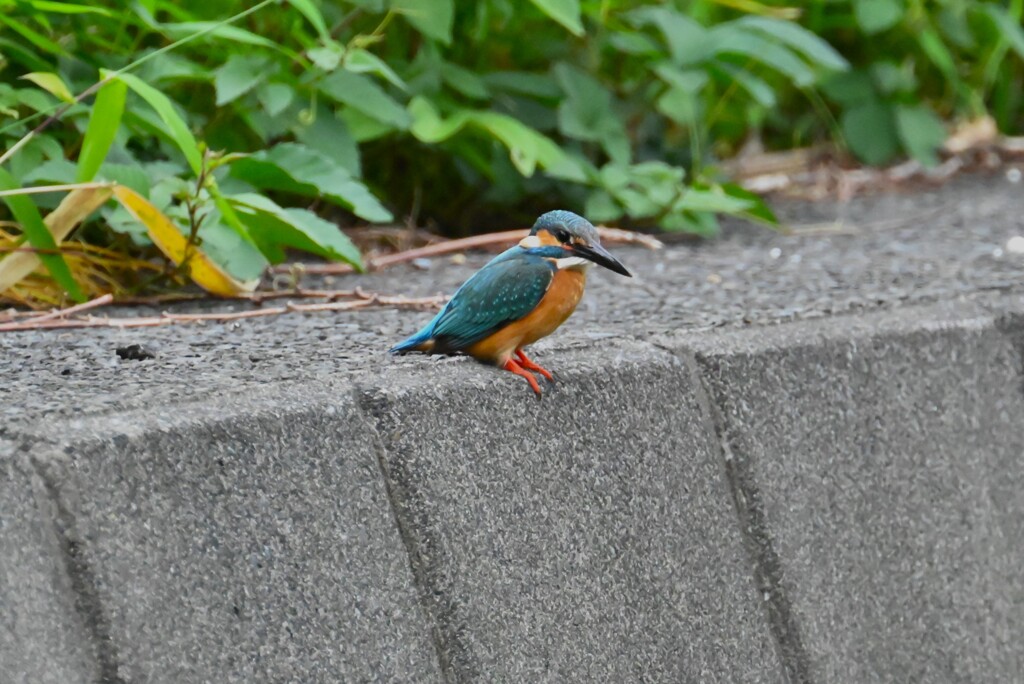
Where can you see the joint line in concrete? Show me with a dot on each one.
(87, 600)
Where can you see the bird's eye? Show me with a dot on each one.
(561, 235)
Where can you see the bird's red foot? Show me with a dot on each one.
(530, 365)
(514, 367)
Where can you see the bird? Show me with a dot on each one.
(523, 294)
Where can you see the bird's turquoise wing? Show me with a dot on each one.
(503, 291)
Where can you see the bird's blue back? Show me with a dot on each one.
(508, 288)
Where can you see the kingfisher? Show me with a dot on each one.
(520, 296)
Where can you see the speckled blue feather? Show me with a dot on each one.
(509, 287)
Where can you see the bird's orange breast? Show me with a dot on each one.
(555, 307)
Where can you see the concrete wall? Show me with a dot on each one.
(829, 500)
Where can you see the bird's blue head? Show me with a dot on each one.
(562, 234)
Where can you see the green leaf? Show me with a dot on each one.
(732, 41)
(756, 87)
(329, 135)
(688, 42)
(39, 236)
(274, 226)
(687, 80)
(464, 81)
(327, 58)
(849, 88)
(313, 15)
(290, 167)
(818, 51)
(565, 12)
(932, 45)
(433, 18)
(524, 83)
(952, 21)
(237, 76)
(758, 209)
(680, 106)
(1008, 27)
(67, 8)
(170, 67)
(892, 78)
(633, 43)
(921, 132)
(527, 148)
(362, 94)
(176, 126)
(524, 144)
(49, 172)
(275, 97)
(360, 61)
(875, 16)
(34, 37)
(870, 132)
(229, 249)
(104, 120)
(51, 83)
(703, 224)
(427, 124)
(587, 112)
(216, 30)
(602, 207)
(132, 175)
(713, 200)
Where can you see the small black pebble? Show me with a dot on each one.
(135, 352)
(65, 371)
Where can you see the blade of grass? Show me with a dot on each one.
(39, 236)
(104, 121)
(72, 210)
(54, 113)
(176, 126)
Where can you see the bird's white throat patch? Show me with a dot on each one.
(575, 263)
(530, 242)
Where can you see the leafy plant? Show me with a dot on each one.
(918, 64)
(255, 129)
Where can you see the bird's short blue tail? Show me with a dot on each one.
(411, 343)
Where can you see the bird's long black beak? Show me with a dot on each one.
(602, 257)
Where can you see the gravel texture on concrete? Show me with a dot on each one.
(891, 250)
(773, 457)
(882, 475)
(239, 541)
(43, 636)
(579, 538)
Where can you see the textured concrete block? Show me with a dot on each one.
(42, 637)
(246, 541)
(587, 537)
(880, 464)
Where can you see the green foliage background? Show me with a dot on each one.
(261, 134)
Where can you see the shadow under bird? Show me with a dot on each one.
(520, 296)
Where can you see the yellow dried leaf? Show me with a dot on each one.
(204, 272)
(74, 209)
(52, 83)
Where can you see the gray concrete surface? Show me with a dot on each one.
(43, 636)
(575, 539)
(887, 502)
(773, 458)
(245, 540)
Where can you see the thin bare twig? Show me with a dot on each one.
(64, 187)
(611, 235)
(364, 300)
(62, 313)
(254, 297)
